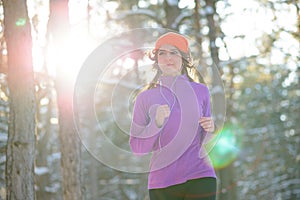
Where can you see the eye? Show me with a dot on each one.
(174, 52)
(161, 53)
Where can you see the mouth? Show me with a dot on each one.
(169, 65)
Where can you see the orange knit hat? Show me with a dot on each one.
(174, 39)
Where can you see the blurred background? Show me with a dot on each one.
(251, 46)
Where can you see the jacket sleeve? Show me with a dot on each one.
(143, 131)
(207, 136)
(207, 110)
(206, 105)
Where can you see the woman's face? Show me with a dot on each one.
(169, 60)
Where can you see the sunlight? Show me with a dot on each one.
(190, 4)
(54, 120)
(241, 38)
(76, 47)
(128, 63)
(111, 6)
(65, 57)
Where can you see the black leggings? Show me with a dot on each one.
(196, 189)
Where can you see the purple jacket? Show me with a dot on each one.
(177, 153)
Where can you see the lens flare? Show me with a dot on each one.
(21, 22)
(226, 146)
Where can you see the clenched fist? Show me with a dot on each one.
(162, 112)
(207, 124)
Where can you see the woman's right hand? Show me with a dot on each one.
(162, 112)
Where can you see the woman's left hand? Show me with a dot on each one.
(207, 124)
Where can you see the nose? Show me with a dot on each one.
(169, 55)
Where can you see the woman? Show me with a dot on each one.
(170, 120)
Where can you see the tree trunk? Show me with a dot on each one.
(20, 152)
(199, 36)
(210, 13)
(227, 175)
(42, 145)
(59, 28)
(172, 11)
(69, 145)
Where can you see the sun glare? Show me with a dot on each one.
(66, 57)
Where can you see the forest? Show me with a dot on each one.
(69, 71)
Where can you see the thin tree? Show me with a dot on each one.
(59, 27)
(20, 148)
